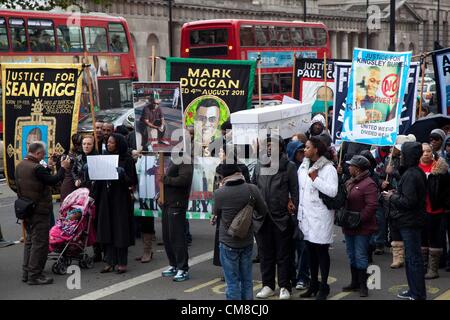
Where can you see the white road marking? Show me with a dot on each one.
(127, 284)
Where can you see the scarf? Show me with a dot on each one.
(319, 164)
(234, 177)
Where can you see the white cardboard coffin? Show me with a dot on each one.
(285, 120)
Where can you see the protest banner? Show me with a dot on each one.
(211, 91)
(40, 103)
(375, 96)
(309, 85)
(408, 115)
(441, 64)
(158, 108)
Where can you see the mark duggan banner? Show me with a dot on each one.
(441, 63)
(40, 103)
(375, 96)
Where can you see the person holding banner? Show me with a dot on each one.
(115, 229)
(317, 174)
(407, 213)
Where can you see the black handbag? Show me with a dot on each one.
(24, 208)
(347, 219)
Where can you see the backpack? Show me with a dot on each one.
(338, 201)
(240, 226)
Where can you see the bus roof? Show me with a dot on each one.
(239, 21)
(58, 14)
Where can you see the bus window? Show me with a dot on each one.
(283, 36)
(209, 36)
(4, 46)
(272, 36)
(95, 39)
(18, 36)
(247, 36)
(41, 35)
(286, 82)
(267, 83)
(117, 38)
(262, 36)
(321, 37)
(69, 39)
(310, 40)
(297, 37)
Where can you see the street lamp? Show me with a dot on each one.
(304, 10)
(170, 30)
(392, 27)
(367, 24)
(436, 43)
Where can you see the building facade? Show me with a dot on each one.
(148, 21)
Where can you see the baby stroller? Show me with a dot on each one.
(73, 232)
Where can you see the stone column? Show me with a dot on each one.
(333, 44)
(344, 46)
(355, 41)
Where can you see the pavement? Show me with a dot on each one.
(144, 281)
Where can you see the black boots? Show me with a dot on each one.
(312, 290)
(354, 285)
(362, 279)
(324, 291)
(97, 253)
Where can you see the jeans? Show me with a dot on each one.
(303, 261)
(358, 251)
(237, 268)
(414, 262)
(379, 238)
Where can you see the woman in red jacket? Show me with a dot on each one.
(435, 203)
(362, 197)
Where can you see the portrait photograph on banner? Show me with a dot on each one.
(375, 96)
(40, 103)
(211, 91)
(158, 110)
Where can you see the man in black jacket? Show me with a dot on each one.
(275, 236)
(177, 188)
(407, 212)
(33, 182)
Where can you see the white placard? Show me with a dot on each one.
(103, 167)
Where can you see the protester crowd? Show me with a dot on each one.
(382, 198)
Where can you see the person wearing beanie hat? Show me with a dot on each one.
(362, 197)
(437, 137)
(236, 253)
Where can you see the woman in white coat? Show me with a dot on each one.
(317, 174)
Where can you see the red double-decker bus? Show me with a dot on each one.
(275, 41)
(101, 40)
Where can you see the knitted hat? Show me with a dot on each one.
(401, 139)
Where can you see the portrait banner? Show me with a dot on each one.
(40, 103)
(309, 86)
(158, 108)
(375, 96)
(441, 64)
(408, 115)
(211, 91)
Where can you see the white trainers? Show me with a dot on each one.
(284, 294)
(265, 293)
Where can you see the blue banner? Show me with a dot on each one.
(375, 96)
(342, 75)
(408, 116)
(441, 63)
(279, 59)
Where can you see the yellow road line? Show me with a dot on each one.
(340, 295)
(203, 285)
(444, 296)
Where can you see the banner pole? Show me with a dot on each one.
(161, 173)
(422, 61)
(259, 81)
(341, 150)
(293, 74)
(91, 98)
(24, 232)
(390, 163)
(326, 88)
(153, 64)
